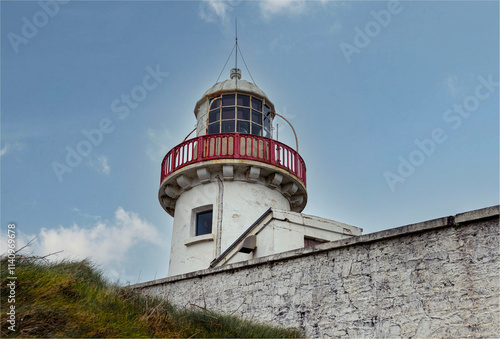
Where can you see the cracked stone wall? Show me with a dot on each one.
(434, 279)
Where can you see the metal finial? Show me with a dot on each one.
(236, 73)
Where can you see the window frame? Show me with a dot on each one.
(194, 219)
(257, 105)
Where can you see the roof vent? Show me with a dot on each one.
(236, 73)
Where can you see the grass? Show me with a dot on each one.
(72, 299)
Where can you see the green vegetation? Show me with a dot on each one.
(72, 299)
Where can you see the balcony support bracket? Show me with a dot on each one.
(274, 180)
(228, 172)
(203, 174)
(253, 174)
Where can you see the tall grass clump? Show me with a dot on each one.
(72, 299)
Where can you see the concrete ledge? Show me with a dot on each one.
(482, 213)
(452, 221)
(198, 239)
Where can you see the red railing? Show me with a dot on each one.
(233, 146)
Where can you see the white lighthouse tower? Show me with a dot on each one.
(236, 193)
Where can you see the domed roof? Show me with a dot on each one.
(235, 84)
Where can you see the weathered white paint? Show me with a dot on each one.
(242, 204)
(282, 231)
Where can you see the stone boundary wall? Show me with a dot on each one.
(439, 278)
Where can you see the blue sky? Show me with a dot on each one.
(395, 105)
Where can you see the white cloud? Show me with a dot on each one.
(214, 10)
(106, 243)
(100, 164)
(271, 8)
(218, 10)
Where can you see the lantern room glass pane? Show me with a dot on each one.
(243, 113)
(243, 127)
(267, 134)
(267, 111)
(257, 117)
(214, 116)
(213, 128)
(228, 113)
(267, 123)
(256, 129)
(215, 103)
(204, 222)
(228, 126)
(228, 100)
(257, 104)
(243, 100)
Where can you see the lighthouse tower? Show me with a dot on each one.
(219, 183)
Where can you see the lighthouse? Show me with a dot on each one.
(234, 191)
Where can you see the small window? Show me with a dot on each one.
(204, 222)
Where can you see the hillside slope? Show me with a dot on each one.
(72, 299)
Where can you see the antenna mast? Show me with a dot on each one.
(236, 55)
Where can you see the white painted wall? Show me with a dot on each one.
(283, 231)
(243, 204)
(184, 258)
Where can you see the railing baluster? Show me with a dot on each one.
(233, 146)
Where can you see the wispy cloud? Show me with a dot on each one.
(157, 146)
(453, 86)
(86, 215)
(335, 28)
(281, 43)
(216, 10)
(271, 8)
(11, 147)
(106, 243)
(100, 164)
